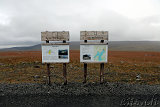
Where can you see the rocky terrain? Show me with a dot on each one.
(77, 94)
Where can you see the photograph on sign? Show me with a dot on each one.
(55, 53)
(93, 53)
(63, 54)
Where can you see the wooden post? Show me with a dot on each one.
(102, 69)
(85, 73)
(48, 70)
(65, 70)
(101, 72)
(65, 73)
(85, 69)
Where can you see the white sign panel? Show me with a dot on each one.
(94, 53)
(55, 53)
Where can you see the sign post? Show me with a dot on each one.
(101, 72)
(94, 49)
(65, 73)
(55, 52)
(85, 73)
(48, 70)
(64, 70)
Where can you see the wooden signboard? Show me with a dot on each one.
(55, 36)
(94, 35)
(94, 51)
(55, 52)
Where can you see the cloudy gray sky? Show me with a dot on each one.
(23, 20)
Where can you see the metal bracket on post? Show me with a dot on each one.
(102, 41)
(64, 41)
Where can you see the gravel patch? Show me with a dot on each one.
(79, 89)
(77, 94)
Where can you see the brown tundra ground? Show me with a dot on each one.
(122, 66)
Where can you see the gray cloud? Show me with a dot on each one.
(27, 18)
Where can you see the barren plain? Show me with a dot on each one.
(122, 66)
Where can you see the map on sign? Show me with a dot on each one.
(93, 53)
(49, 52)
(99, 53)
(55, 53)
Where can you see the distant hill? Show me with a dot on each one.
(73, 46)
(113, 45)
(30, 48)
(134, 46)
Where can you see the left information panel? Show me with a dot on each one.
(55, 53)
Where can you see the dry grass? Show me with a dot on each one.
(26, 67)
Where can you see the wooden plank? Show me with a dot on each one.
(55, 44)
(55, 36)
(55, 62)
(94, 35)
(93, 43)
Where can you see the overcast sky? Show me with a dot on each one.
(24, 20)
